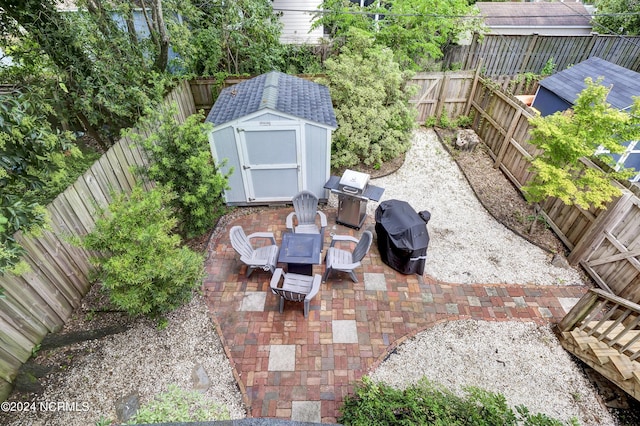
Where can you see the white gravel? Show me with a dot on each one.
(467, 244)
(143, 360)
(522, 361)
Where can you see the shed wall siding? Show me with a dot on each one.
(317, 139)
(296, 22)
(548, 102)
(269, 117)
(224, 146)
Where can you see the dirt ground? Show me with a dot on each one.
(499, 196)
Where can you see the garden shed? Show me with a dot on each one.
(273, 133)
(559, 91)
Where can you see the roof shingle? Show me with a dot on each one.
(536, 14)
(276, 91)
(569, 83)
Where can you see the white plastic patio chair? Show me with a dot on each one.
(295, 288)
(303, 219)
(346, 261)
(265, 257)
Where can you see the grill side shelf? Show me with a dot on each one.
(373, 192)
(332, 183)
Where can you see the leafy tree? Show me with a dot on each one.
(618, 17)
(371, 97)
(416, 30)
(97, 76)
(235, 37)
(591, 129)
(142, 265)
(32, 158)
(182, 161)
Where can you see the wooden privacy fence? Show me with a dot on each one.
(605, 242)
(41, 300)
(499, 54)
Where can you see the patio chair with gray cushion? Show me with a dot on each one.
(295, 288)
(264, 257)
(303, 219)
(346, 261)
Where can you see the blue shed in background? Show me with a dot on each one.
(559, 91)
(274, 131)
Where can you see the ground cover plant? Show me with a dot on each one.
(178, 405)
(426, 403)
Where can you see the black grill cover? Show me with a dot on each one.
(402, 236)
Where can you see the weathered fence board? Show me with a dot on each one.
(16, 316)
(40, 301)
(441, 94)
(607, 241)
(517, 54)
(615, 255)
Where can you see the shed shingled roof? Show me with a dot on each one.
(535, 14)
(276, 91)
(569, 83)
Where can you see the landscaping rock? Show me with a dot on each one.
(560, 261)
(200, 378)
(127, 407)
(466, 140)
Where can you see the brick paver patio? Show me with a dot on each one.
(290, 367)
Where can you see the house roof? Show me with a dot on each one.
(569, 83)
(537, 14)
(275, 91)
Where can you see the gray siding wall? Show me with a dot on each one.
(225, 147)
(269, 117)
(316, 159)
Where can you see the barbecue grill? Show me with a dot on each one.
(353, 192)
(403, 237)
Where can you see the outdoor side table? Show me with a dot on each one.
(300, 252)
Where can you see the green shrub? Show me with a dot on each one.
(426, 403)
(371, 97)
(177, 405)
(181, 160)
(141, 264)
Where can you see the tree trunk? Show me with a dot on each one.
(162, 59)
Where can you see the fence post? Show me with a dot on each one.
(507, 138)
(472, 92)
(579, 311)
(595, 234)
(443, 91)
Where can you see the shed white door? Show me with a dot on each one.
(271, 162)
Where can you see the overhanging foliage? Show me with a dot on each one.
(591, 129)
